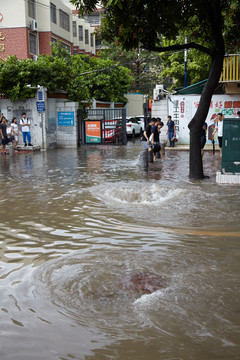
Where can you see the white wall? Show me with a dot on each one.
(15, 109)
(43, 16)
(14, 13)
(44, 128)
(160, 109)
(183, 107)
(135, 104)
(67, 135)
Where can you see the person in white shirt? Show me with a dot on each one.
(25, 124)
(14, 132)
(219, 129)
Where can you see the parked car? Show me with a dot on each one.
(133, 127)
(140, 119)
(112, 131)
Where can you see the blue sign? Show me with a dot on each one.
(65, 118)
(40, 105)
(40, 95)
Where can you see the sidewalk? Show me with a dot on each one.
(22, 148)
(177, 147)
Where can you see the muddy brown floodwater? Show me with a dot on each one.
(78, 226)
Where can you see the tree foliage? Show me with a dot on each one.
(173, 65)
(81, 77)
(145, 66)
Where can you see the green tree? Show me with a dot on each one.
(105, 79)
(14, 78)
(81, 77)
(144, 23)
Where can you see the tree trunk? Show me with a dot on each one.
(195, 157)
(195, 125)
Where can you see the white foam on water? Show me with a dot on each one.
(147, 303)
(148, 300)
(136, 194)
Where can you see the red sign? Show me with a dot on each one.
(182, 106)
(1, 17)
(93, 131)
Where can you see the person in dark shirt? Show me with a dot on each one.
(171, 131)
(155, 133)
(3, 135)
(146, 138)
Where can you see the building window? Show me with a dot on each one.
(80, 33)
(74, 25)
(75, 51)
(94, 19)
(97, 42)
(54, 40)
(64, 20)
(66, 47)
(53, 12)
(32, 44)
(86, 37)
(31, 9)
(91, 37)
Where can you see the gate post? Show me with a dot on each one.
(78, 127)
(124, 126)
(81, 126)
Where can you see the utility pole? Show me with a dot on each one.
(138, 69)
(185, 64)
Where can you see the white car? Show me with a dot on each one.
(140, 119)
(133, 127)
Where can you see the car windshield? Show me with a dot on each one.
(133, 120)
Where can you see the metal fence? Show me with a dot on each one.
(231, 68)
(102, 126)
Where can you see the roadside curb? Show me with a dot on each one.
(208, 147)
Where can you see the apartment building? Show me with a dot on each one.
(94, 19)
(28, 27)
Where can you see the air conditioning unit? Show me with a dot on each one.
(35, 57)
(34, 25)
(159, 92)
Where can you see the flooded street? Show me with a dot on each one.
(75, 223)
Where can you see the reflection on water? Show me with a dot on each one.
(75, 223)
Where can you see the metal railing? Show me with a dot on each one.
(231, 68)
(110, 125)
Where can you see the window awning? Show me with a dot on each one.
(192, 89)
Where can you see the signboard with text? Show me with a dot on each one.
(93, 131)
(40, 106)
(65, 118)
(183, 107)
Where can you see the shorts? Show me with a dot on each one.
(203, 141)
(146, 145)
(156, 148)
(5, 140)
(220, 141)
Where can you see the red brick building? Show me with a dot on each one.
(27, 29)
